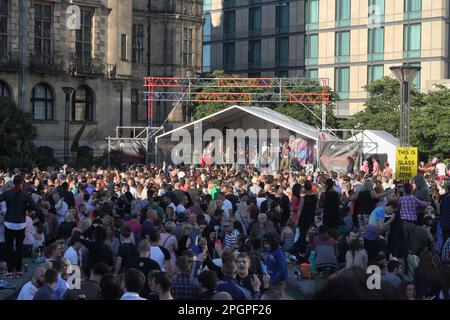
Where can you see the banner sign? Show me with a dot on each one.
(128, 151)
(406, 163)
(333, 155)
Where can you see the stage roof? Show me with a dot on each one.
(225, 116)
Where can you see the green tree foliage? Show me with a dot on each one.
(430, 124)
(430, 114)
(296, 111)
(16, 134)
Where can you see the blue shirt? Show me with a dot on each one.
(373, 232)
(277, 266)
(60, 288)
(229, 285)
(45, 293)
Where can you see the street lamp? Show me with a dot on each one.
(68, 91)
(405, 74)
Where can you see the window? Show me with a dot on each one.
(123, 46)
(342, 47)
(376, 11)
(138, 44)
(134, 105)
(312, 14)
(412, 9)
(415, 83)
(207, 28)
(343, 13)
(83, 104)
(206, 5)
(229, 24)
(342, 82)
(42, 102)
(254, 54)
(412, 34)
(374, 73)
(3, 26)
(228, 56)
(375, 45)
(281, 74)
(254, 22)
(229, 3)
(188, 42)
(42, 30)
(282, 17)
(5, 90)
(312, 49)
(312, 73)
(84, 39)
(282, 52)
(254, 74)
(206, 57)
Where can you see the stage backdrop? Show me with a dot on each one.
(333, 155)
(127, 151)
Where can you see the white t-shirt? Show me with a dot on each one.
(172, 205)
(61, 212)
(27, 292)
(180, 208)
(131, 296)
(158, 255)
(227, 204)
(441, 169)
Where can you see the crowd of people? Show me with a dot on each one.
(203, 233)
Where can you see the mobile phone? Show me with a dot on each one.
(216, 228)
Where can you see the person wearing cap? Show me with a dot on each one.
(17, 201)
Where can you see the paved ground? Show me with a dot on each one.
(11, 294)
(301, 289)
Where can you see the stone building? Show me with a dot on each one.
(103, 56)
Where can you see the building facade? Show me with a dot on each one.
(349, 42)
(100, 48)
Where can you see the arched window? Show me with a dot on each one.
(5, 90)
(42, 102)
(83, 104)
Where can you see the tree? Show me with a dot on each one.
(382, 109)
(430, 124)
(16, 134)
(429, 127)
(296, 111)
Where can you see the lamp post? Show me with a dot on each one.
(68, 91)
(405, 74)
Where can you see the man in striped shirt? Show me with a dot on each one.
(231, 234)
(408, 205)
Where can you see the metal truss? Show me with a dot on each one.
(303, 92)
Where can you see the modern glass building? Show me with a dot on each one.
(350, 42)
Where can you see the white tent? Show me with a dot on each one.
(379, 142)
(264, 118)
(246, 118)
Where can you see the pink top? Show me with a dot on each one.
(134, 226)
(376, 168)
(29, 238)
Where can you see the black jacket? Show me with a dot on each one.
(16, 202)
(68, 198)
